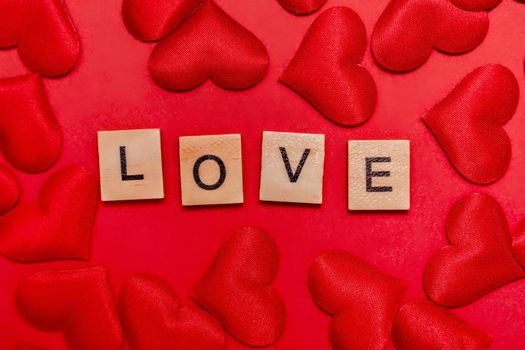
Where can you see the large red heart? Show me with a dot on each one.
(325, 69)
(479, 258)
(9, 190)
(31, 139)
(154, 320)
(302, 7)
(476, 5)
(46, 37)
(237, 288)
(467, 123)
(421, 324)
(362, 299)
(408, 30)
(151, 20)
(209, 44)
(77, 302)
(60, 226)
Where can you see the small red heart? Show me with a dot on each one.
(150, 20)
(237, 288)
(60, 226)
(31, 139)
(422, 324)
(46, 37)
(77, 302)
(479, 258)
(467, 123)
(362, 299)
(9, 190)
(325, 69)
(408, 30)
(209, 44)
(154, 320)
(302, 7)
(476, 5)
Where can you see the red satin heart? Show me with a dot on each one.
(476, 5)
(302, 7)
(77, 302)
(209, 44)
(237, 288)
(31, 139)
(422, 324)
(46, 37)
(325, 69)
(60, 226)
(408, 30)
(467, 123)
(154, 320)
(150, 20)
(362, 299)
(9, 190)
(479, 258)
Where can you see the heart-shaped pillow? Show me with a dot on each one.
(362, 299)
(237, 288)
(154, 320)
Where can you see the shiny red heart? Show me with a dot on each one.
(151, 20)
(46, 37)
(9, 190)
(302, 7)
(60, 226)
(237, 288)
(362, 299)
(421, 324)
(153, 318)
(325, 69)
(77, 302)
(467, 123)
(408, 30)
(31, 139)
(209, 44)
(479, 258)
(476, 5)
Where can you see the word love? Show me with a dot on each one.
(292, 169)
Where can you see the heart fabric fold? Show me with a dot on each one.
(9, 190)
(479, 258)
(76, 302)
(476, 5)
(302, 7)
(154, 320)
(60, 226)
(237, 288)
(362, 299)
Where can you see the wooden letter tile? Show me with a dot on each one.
(379, 175)
(211, 169)
(292, 167)
(130, 164)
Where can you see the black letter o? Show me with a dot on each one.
(197, 177)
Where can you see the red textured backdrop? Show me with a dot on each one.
(111, 89)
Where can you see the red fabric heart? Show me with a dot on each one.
(302, 7)
(154, 320)
(467, 123)
(46, 37)
(77, 302)
(407, 31)
(9, 190)
(209, 44)
(237, 289)
(150, 20)
(60, 226)
(476, 5)
(422, 324)
(362, 299)
(479, 258)
(325, 69)
(31, 139)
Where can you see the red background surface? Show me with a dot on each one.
(111, 89)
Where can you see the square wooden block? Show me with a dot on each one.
(379, 175)
(292, 167)
(211, 169)
(130, 164)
